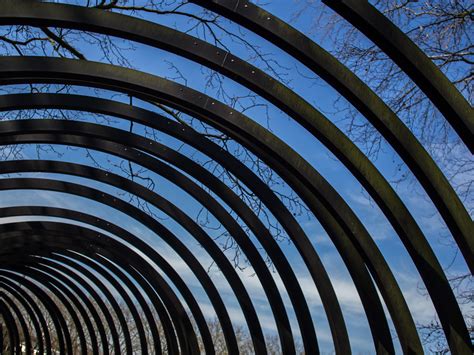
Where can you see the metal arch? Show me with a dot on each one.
(378, 114)
(44, 340)
(63, 294)
(19, 316)
(161, 168)
(40, 295)
(376, 269)
(163, 124)
(65, 343)
(68, 299)
(409, 57)
(225, 159)
(309, 195)
(263, 23)
(124, 235)
(94, 220)
(109, 252)
(157, 201)
(13, 334)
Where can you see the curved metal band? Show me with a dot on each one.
(71, 301)
(19, 316)
(48, 305)
(13, 333)
(36, 319)
(204, 176)
(65, 343)
(436, 185)
(408, 56)
(356, 267)
(55, 315)
(378, 114)
(110, 249)
(44, 339)
(352, 225)
(129, 238)
(165, 206)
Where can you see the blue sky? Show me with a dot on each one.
(321, 96)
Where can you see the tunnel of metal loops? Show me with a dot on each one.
(58, 257)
